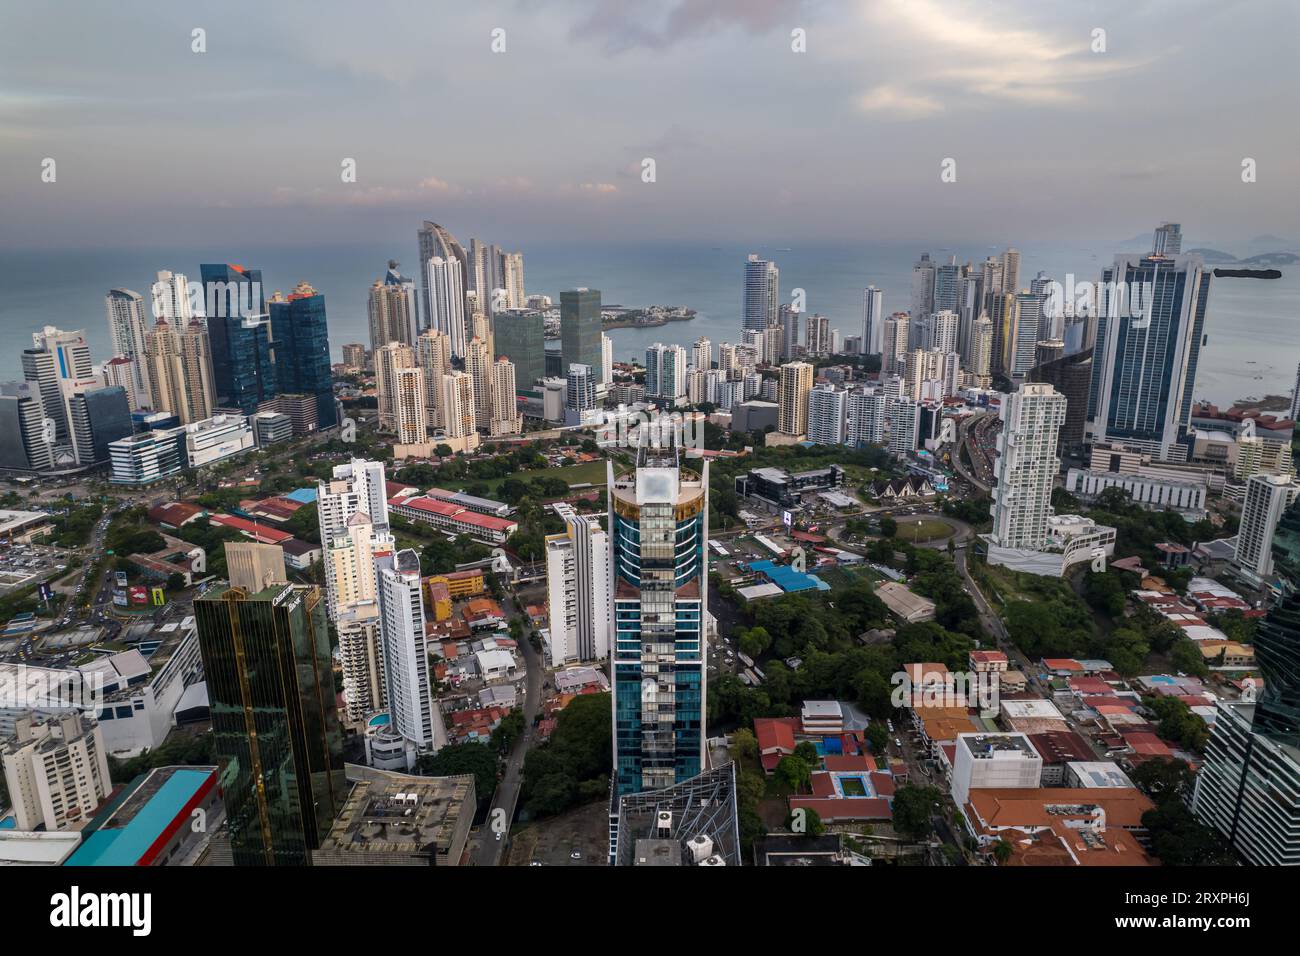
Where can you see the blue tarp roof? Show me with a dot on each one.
(787, 578)
(124, 846)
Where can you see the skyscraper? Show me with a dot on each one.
(437, 242)
(893, 352)
(864, 417)
(1248, 787)
(275, 731)
(446, 297)
(826, 405)
(505, 418)
(580, 393)
(580, 327)
(457, 409)
(478, 363)
(578, 576)
(410, 406)
(792, 397)
(180, 371)
(665, 372)
(521, 337)
(56, 356)
(433, 352)
(24, 443)
(413, 708)
(873, 317)
(126, 330)
(239, 333)
(302, 349)
(1026, 466)
(388, 359)
(392, 309)
(702, 353)
(1268, 497)
(762, 292)
(1150, 327)
(253, 566)
(658, 527)
(170, 297)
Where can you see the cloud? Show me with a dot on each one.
(891, 99)
(599, 187)
(623, 26)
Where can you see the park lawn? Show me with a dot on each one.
(931, 529)
(587, 473)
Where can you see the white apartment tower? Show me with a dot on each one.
(579, 603)
(56, 771)
(447, 301)
(126, 330)
(1026, 466)
(873, 318)
(411, 703)
(1267, 499)
(826, 409)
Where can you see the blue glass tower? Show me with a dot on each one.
(302, 350)
(239, 330)
(658, 520)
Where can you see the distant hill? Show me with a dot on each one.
(1213, 255)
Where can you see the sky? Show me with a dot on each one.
(1050, 138)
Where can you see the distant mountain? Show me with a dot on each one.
(1213, 255)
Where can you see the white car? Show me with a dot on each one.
(575, 855)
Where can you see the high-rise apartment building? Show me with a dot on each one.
(446, 297)
(702, 353)
(895, 336)
(56, 356)
(792, 397)
(762, 293)
(275, 730)
(180, 371)
(503, 400)
(864, 417)
(433, 354)
(437, 242)
(55, 770)
(410, 406)
(579, 600)
(873, 319)
(126, 332)
(457, 414)
(826, 412)
(393, 309)
(1268, 497)
(389, 359)
(1026, 466)
(665, 372)
(414, 710)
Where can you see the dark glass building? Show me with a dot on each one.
(239, 330)
(302, 350)
(520, 335)
(1070, 375)
(580, 329)
(275, 728)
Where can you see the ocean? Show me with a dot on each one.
(1253, 328)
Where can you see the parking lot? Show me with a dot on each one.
(554, 842)
(24, 564)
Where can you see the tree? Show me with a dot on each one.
(1002, 851)
(888, 527)
(877, 737)
(792, 774)
(805, 820)
(1179, 839)
(914, 808)
(469, 758)
(1165, 778)
(806, 751)
(744, 745)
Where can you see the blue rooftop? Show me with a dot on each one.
(125, 845)
(305, 495)
(787, 578)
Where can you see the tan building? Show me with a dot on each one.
(505, 419)
(388, 359)
(252, 566)
(478, 363)
(410, 411)
(434, 353)
(792, 398)
(458, 405)
(180, 371)
(56, 771)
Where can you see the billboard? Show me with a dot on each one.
(120, 579)
(119, 598)
(158, 596)
(787, 518)
(139, 594)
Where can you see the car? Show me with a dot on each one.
(498, 836)
(575, 855)
(898, 743)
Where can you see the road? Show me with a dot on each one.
(489, 851)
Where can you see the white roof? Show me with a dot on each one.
(759, 591)
(1031, 708)
(492, 660)
(24, 848)
(822, 708)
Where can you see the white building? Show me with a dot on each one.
(904, 419)
(219, 437)
(873, 317)
(994, 762)
(1155, 493)
(126, 330)
(1267, 498)
(579, 604)
(826, 408)
(446, 285)
(56, 771)
(665, 372)
(409, 682)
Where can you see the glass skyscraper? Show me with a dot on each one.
(520, 336)
(302, 350)
(580, 328)
(276, 736)
(239, 331)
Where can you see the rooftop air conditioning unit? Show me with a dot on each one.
(664, 823)
(701, 847)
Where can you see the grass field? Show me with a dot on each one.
(588, 473)
(920, 530)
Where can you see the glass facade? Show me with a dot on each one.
(580, 328)
(301, 345)
(276, 733)
(239, 332)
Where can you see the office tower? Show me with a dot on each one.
(437, 242)
(922, 302)
(873, 318)
(521, 337)
(702, 354)
(358, 485)
(253, 567)
(98, 415)
(512, 280)
(970, 306)
(818, 332)
(658, 526)
(1268, 497)
(1026, 466)
(796, 383)
(606, 361)
(903, 420)
(580, 328)
(1150, 327)
(239, 334)
(414, 710)
(446, 297)
(941, 332)
(1022, 342)
(275, 730)
(578, 576)
(505, 418)
(410, 406)
(864, 417)
(170, 298)
(788, 321)
(826, 405)
(456, 412)
(665, 372)
(24, 442)
(1011, 270)
(354, 357)
(1050, 324)
(433, 353)
(947, 286)
(980, 360)
(55, 356)
(55, 770)
(1070, 375)
(1248, 787)
(393, 309)
(1002, 313)
(580, 393)
(1168, 240)
(478, 363)
(126, 331)
(762, 293)
(388, 360)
